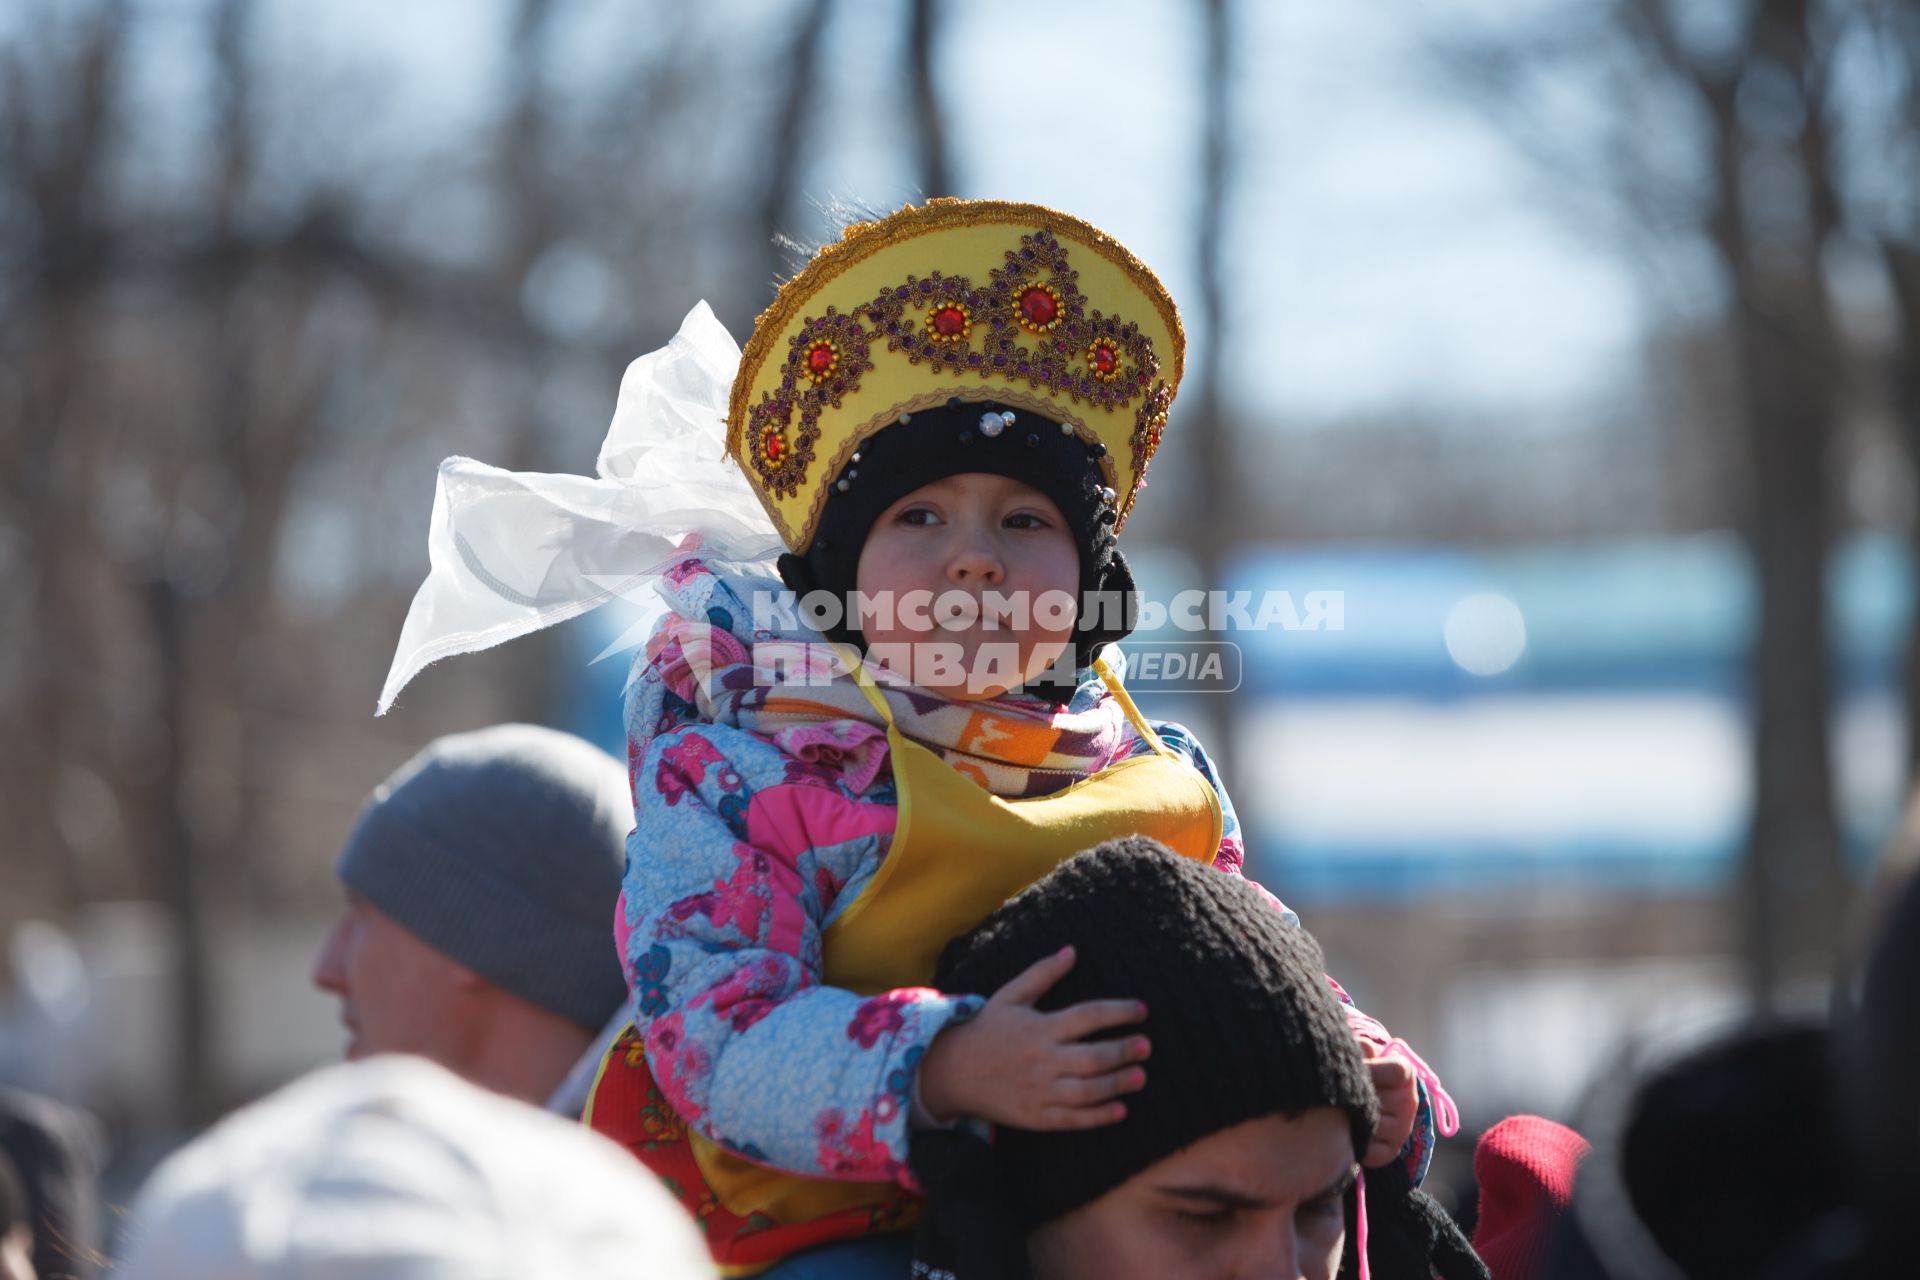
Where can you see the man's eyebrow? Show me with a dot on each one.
(1225, 1197)
(1229, 1198)
(1340, 1185)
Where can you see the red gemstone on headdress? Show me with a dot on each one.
(949, 322)
(1039, 307)
(820, 359)
(1104, 359)
(774, 445)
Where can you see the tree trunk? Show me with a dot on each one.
(1795, 874)
(175, 859)
(929, 131)
(789, 129)
(1791, 385)
(1209, 523)
(1903, 269)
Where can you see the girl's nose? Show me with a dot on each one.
(975, 563)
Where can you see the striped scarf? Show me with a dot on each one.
(800, 694)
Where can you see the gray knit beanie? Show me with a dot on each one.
(503, 848)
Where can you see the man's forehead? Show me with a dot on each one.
(368, 910)
(1269, 1158)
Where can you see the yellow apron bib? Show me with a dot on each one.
(958, 852)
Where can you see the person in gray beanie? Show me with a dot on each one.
(481, 880)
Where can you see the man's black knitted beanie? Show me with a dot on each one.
(1241, 1017)
(957, 439)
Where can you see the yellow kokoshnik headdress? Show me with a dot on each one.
(983, 300)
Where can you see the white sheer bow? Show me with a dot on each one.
(512, 552)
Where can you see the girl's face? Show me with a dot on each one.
(970, 585)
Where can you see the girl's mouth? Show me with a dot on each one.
(976, 615)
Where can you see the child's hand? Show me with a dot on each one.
(1393, 1080)
(1014, 1065)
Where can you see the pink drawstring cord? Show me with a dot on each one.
(1446, 1116)
(1360, 1220)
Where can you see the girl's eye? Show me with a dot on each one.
(1025, 520)
(918, 516)
(1211, 1218)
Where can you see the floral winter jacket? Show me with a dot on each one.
(741, 857)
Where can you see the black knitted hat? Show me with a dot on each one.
(1715, 1158)
(1242, 1019)
(15, 1211)
(974, 436)
(1878, 1045)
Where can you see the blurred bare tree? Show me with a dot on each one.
(230, 356)
(1213, 527)
(929, 127)
(780, 200)
(1892, 216)
(1757, 140)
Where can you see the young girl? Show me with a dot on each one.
(948, 417)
